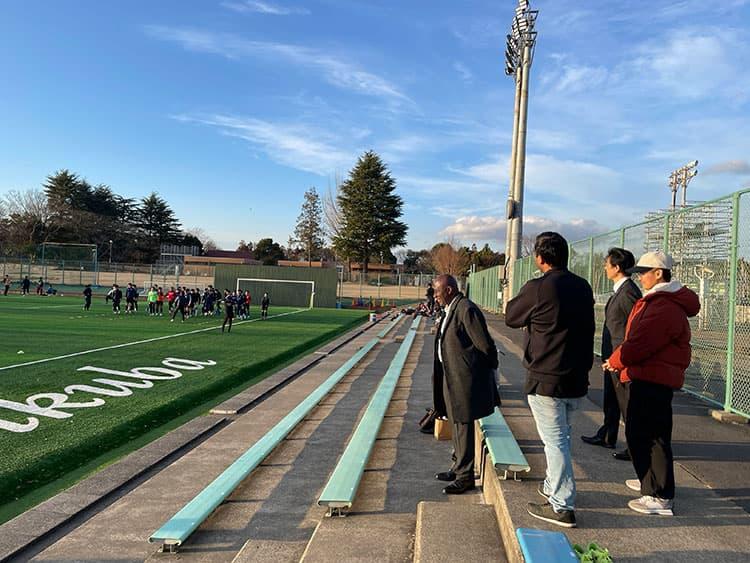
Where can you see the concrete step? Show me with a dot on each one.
(383, 537)
(464, 532)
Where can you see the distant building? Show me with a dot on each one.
(306, 264)
(197, 265)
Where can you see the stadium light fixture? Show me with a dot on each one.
(519, 54)
(679, 179)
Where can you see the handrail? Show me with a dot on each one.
(179, 527)
(342, 486)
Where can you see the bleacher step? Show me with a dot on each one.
(385, 537)
(463, 532)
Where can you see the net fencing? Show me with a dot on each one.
(710, 245)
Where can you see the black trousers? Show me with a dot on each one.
(615, 404)
(463, 442)
(649, 433)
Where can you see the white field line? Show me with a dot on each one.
(68, 306)
(126, 344)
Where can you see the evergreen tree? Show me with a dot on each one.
(156, 221)
(370, 211)
(268, 252)
(309, 230)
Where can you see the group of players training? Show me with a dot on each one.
(184, 302)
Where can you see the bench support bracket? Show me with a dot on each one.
(336, 511)
(505, 476)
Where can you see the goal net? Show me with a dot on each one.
(289, 293)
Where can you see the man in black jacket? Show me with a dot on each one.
(463, 383)
(616, 314)
(557, 310)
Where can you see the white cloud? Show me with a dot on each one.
(579, 78)
(334, 70)
(296, 146)
(492, 228)
(570, 179)
(697, 63)
(263, 8)
(729, 167)
(463, 71)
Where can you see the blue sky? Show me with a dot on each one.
(232, 109)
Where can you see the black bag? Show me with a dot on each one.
(427, 422)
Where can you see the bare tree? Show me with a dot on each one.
(331, 212)
(527, 246)
(201, 235)
(449, 258)
(31, 220)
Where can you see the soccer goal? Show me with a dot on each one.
(292, 293)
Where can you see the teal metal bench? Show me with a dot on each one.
(540, 546)
(341, 488)
(504, 451)
(390, 326)
(178, 528)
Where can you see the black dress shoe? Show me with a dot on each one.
(459, 487)
(429, 429)
(597, 441)
(624, 455)
(445, 476)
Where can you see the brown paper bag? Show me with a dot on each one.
(442, 429)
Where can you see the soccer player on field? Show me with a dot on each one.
(40, 287)
(115, 294)
(6, 283)
(160, 301)
(87, 297)
(180, 305)
(228, 310)
(171, 294)
(25, 285)
(264, 303)
(152, 297)
(248, 302)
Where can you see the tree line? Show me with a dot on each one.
(359, 222)
(68, 209)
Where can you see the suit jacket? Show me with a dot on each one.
(468, 366)
(616, 314)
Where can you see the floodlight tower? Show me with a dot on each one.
(519, 54)
(679, 179)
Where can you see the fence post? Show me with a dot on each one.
(399, 285)
(591, 261)
(378, 285)
(732, 300)
(151, 276)
(63, 272)
(666, 232)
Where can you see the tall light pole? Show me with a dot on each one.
(679, 179)
(519, 54)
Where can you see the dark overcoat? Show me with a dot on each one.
(616, 314)
(469, 364)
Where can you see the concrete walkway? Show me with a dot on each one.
(709, 524)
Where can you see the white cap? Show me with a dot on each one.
(651, 261)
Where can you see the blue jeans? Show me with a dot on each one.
(552, 417)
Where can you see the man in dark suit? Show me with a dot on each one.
(557, 310)
(616, 314)
(464, 385)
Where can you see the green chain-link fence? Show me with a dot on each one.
(710, 244)
(485, 288)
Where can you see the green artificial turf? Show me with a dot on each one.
(46, 327)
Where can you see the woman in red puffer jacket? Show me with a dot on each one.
(652, 360)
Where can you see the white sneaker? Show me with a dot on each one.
(633, 484)
(652, 505)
